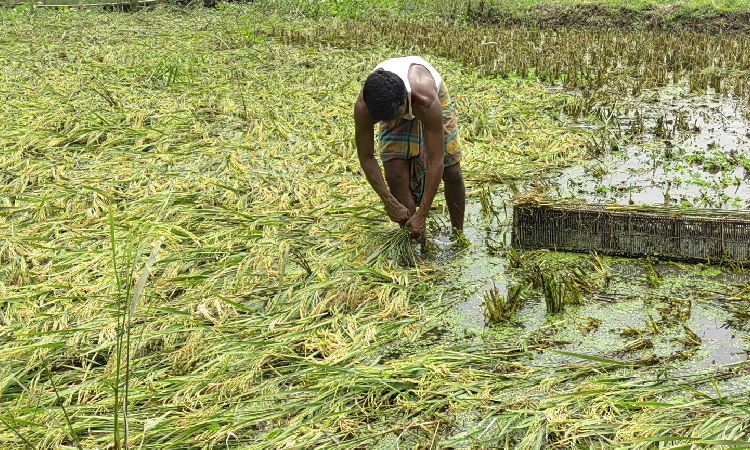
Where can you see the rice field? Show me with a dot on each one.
(190, 256)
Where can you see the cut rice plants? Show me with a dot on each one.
(190, 256)
(500, 308)
(392, 244)
(276, 272)
(561, 284)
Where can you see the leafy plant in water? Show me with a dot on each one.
(691, 339)
(586, 324)
(554, 294)
(741, 313)
(600, 267)
(576, 279)
(653, 277)
(485, 200)
(741, 303)
(461, 240)
(560, 286)
(497, 308)
(677, 310)
(652, 325)
(630, 331)
(639, 344)
(520, 259)
(651, 329)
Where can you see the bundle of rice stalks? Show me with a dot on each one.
(497, 308)
(392, 244)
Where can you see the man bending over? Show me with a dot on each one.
(419, 142)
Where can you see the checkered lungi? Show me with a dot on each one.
(406, 141)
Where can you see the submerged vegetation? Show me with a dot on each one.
(190, 256)
(561, 283)
(500, 308)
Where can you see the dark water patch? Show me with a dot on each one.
(674, 148)
(720, 341)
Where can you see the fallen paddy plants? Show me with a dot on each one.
(269, 312)
(500, 308)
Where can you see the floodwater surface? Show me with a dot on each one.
(672, 149)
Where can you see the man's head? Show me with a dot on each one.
(385, 95)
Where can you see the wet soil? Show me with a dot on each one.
(650, 17)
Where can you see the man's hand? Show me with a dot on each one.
(397, 212)
(418, 225)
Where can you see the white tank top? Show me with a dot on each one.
(400, 66)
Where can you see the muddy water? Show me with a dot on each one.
(628, 302)
(674, 149)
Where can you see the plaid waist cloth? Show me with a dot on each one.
(406, 141)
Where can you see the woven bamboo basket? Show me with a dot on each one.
(667, 233)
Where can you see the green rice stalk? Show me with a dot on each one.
(497, 308)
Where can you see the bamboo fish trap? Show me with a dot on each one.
(669, 233)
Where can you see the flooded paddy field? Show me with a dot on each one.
(657, 162)
(675, 148)
(184, 266)
(667, 318)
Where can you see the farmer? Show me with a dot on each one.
(419, 142)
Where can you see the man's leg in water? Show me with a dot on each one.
(455, 194)
(397, 175)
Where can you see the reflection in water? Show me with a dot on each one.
(691, 152)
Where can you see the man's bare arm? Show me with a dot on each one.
(364, 138)
(429, 111)
(432, 127)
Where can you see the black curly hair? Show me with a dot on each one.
(384, 93)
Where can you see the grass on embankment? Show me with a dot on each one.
(696, 15)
